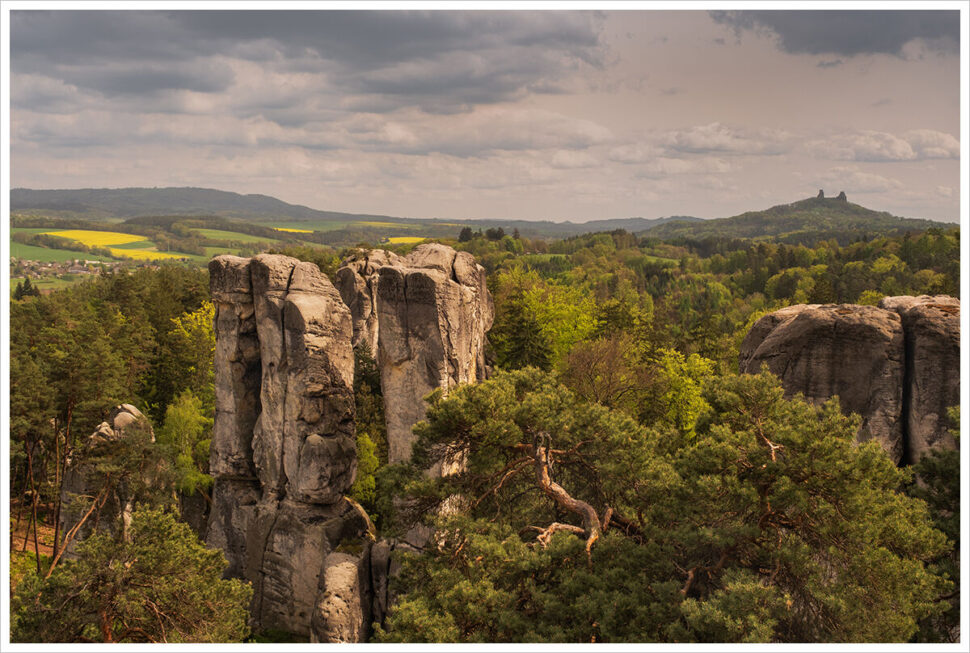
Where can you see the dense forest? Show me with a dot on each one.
(625, 347)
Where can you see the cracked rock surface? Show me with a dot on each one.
(425, 317)
(896, 365)
(283, 450)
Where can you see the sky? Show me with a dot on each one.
(552, 115)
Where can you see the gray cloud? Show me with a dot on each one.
(441, 61)
(725, 139)
(849, 32)
(881, 147)
(829, 64)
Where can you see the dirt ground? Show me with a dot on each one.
(45, 529)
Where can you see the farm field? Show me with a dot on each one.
(145, 254)
(405, 240)
(220, 234)
(34, 253)
(294, 231)
(47, 284)
(96, 238)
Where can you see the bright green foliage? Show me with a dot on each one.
(565, 315)
(870, 298)
(364, 489)
(768, 524)
(193, 343)
(539, 322)
(187, 432)
(163, 585)
(680, 401)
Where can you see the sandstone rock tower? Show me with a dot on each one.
(898, 365)
(283, 450)
(424, 317)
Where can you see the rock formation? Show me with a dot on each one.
(896, 365)
(425, 317)
(82, 485)
(932, 355)
(357, 282)
(283, 448)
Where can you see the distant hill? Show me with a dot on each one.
(99, 203)
(806, 222)
(125, 203)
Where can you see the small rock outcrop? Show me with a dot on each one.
(855, 352)
(425, 317)
(896, 365)
(82, 484)
(283, 450)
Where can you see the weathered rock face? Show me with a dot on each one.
(855, 352)
(283, 450)
(932, 328)
(897, 365)
(114, 515)
(432, 313)
(357, 282)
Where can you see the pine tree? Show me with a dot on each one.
(571, 522)
(161, 585)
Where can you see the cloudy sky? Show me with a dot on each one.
(525, 114)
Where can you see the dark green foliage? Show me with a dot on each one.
(371, 429)
(162, 585)
(25, 289)
(939, 484)
(765, 524)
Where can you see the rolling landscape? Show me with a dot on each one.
(636, 327)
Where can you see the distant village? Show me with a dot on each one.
(67, 270)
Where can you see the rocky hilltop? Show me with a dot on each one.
(897, 365)
(283, 449)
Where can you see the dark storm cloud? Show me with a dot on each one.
(442, 61)
(849, 33)
(146, 79)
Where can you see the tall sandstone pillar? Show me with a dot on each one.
(283, 449)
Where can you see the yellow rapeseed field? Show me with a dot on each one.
(384, 224)
(293, 231)
(97, 238)
(143, 254)
(404, 240)
(107, 238)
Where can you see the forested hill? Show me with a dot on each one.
(124, 203)
(130, 202)
(806, 222)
